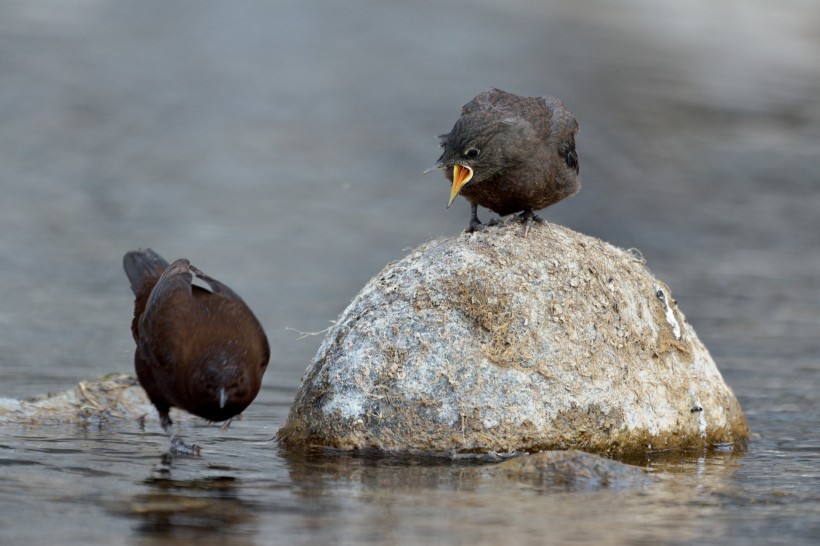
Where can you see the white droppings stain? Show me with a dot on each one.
(697, 407)
(702, 423)
(667, 309)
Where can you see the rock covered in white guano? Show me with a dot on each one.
(493, 342)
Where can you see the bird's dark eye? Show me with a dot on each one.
(472, 153)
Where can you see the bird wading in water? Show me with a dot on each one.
(198, 349)
(511, 154)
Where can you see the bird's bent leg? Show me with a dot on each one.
(224, 426)
(475, 223)
(165, 421)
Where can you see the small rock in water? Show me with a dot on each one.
(109, 398)
(574, 470)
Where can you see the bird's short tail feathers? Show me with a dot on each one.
(141, 265)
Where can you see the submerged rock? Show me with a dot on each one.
(573, 470)
(492, 342)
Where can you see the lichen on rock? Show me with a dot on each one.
(493, 342)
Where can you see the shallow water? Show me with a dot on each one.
(279, 146)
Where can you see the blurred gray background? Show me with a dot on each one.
(280, 145)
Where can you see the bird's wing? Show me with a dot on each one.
(176, 277)
(561, 131)
(167, 309)
(174, 283)
(216, 286)
(240, 307)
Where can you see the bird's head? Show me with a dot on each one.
(223, 380)
(227, 383)
(479, 146)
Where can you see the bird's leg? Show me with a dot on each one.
(166, 422)
(178, 447)
(475, 223)
(529, 217)
(224, 426)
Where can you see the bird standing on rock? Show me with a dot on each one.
(510, 154)
(197, 349)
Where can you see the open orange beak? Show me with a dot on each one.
(461, 175)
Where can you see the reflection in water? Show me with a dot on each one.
(387, 499)
(190, 508)
(312, 469)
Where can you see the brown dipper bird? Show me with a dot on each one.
(509, 154)
(197, 349)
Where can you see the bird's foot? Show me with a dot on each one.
(179, 447)
(529, 218)
(475, 226)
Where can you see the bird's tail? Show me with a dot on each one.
(141, 266)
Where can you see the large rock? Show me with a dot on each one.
(492, 342)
